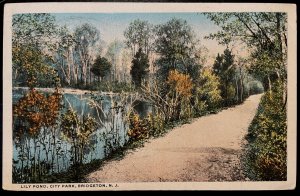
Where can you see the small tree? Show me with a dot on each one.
(180, 90)
(139, 68)
(224, 69)
(101, 67)
(78, 132)
(208, 94)
(175, 103)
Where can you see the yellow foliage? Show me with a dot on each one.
(138, 127)
(182, 83)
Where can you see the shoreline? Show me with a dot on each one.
(74, 91)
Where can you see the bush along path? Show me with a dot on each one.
(208, 149)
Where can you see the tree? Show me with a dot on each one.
(139, 68)
(126, 66)
(175, 45)
(224, 69)
(241, 74)
(34, 29)
(86, 37)
(35, 66)
(180, 91)
(175, 103)
(63, 56)
(101, 67)
(207, 93)
(201, 54)
(113, 55)
(32, 35)
(139, 35)
(266, 36)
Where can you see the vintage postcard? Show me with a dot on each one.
(149, 96)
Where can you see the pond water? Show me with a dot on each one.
(53, 151)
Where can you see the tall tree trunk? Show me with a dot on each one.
(269, 83)
(237, 89)
(16, 74)
(89, 74)
(75, 73)
(278, 34)
(285, 97)
(242, 85)
(242, 89)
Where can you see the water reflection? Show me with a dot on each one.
(52, 149)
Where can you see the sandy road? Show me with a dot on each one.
(208, 149)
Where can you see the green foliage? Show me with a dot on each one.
(266, 35)
(156, 124)
(139, 68)
(208, 95)
(266, 156)
(31, 36)
(62, 56)
(113, 54)
(34, 29)
(138, 128)
(182, 90)
(255, 87)
(101, 67)
(34, 67)
(86, 35)
(176, 45)
(139, 35)
(35, 114)
(113, 51)
(78, 132)
(115, 87)
(224, 69)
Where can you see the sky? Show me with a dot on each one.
(112, 25)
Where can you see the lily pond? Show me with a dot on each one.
(50, 151)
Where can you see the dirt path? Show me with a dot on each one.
(206, 150)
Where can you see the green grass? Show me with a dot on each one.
(266, 151)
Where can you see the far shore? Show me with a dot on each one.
(67, 91)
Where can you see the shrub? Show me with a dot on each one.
(78, 132)
(152, 125)
(157, 125)
(36, 110)
(138, 128)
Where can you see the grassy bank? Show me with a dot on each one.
(266, 151)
